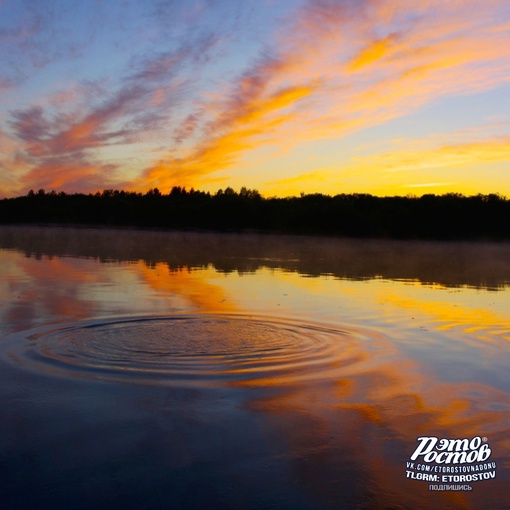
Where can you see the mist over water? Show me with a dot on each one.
(146, 369)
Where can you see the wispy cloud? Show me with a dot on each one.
(459, 155)
(433, 165)
(330, 72)
(174, 87)
(432, 185)
(61, 144)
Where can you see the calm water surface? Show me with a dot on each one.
(148, 370)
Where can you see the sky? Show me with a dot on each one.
(387, 97)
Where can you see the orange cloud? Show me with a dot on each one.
(334, 76)
(59, 175)
(249, 120)
(375, 51)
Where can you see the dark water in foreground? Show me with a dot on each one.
(157, 370)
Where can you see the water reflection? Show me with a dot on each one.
(482, 265)
(235, 371)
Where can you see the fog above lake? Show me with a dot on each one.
(452, 264)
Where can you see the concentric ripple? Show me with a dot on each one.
(188, 349)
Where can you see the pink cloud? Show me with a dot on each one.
(84, 126)
(70, 176)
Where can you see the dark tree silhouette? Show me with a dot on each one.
(449, 216)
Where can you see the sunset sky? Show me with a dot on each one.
(388, 97)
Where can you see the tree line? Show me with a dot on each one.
(447, 216)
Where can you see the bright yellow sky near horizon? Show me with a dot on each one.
(387, 97)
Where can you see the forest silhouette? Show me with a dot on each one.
(448, 216)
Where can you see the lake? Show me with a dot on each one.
(150, 370)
